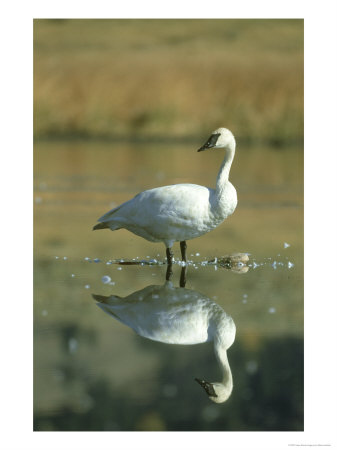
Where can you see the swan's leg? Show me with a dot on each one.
(183, 247)
(169, 272)
(169, 256)
(182, 281)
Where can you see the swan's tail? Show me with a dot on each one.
(101, 226)
(108, 300)
(100, 298)
(108, 304)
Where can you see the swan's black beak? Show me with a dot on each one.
(210, 143)
(207, 386)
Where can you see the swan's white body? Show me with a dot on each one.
(182, 211)
(178, 316)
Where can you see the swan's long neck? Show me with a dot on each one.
(223, 175)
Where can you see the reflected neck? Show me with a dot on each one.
(227, 379)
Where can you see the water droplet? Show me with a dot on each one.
(272, 310)
(72, 275)
(87, 286)
(106, 279)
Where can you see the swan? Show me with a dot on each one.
(179, 212)
(178, 316)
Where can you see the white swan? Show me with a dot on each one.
(178, 316)
(182, 211)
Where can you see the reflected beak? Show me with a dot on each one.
(210, 143)
(207, 386)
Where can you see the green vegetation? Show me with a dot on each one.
(153, 79)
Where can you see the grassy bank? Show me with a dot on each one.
(157, 78)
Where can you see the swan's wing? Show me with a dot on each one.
(175, 203)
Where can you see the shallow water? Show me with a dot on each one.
(93, 372)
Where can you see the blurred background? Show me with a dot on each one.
(121, 106)
(171, 79)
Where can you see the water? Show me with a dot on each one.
(93, 372)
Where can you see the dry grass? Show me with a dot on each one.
(159, 78)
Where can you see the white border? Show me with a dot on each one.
(320, 222)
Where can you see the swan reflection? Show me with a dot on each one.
(176, 315)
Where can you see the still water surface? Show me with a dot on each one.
(116, 346)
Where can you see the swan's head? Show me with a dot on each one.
(217, 392)
(220, 138)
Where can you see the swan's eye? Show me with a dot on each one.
(211, 142)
